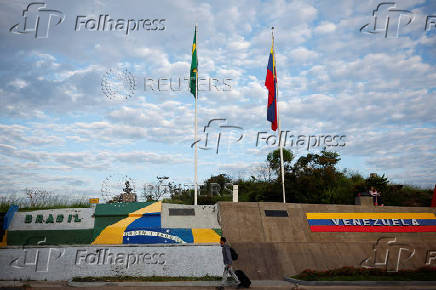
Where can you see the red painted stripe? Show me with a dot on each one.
(397, 229)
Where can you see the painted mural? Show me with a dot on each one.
(371, 222)
(51, 227)
(6, 221)
(143, 225)
(113, 223)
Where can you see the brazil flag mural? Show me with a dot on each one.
(114, 223)
(140, 223)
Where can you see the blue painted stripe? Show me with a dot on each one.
(158, 236)
(380, 222)
(9, 216)
(148, 220)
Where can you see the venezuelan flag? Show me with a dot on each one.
(271, 83)
(371, 222)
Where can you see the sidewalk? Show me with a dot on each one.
(197, 285)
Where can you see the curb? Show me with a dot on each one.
(11, 284)
(256, 283)
(360, 283)
(146, 284)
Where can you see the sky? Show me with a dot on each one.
(82, 107)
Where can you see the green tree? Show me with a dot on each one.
(380, 183)
(216, 185)
(315, 179)
(274, 161)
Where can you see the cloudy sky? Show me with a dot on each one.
(60, 131)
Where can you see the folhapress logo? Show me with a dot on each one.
(388, 20)
(107, 23)
(38, 20)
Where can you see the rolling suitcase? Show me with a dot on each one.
(243, 279)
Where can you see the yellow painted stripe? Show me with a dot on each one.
(194, 46)
(371, 215)
(113, 234)
(205, 236)
(4, 242)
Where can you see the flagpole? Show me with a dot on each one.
(196, 125)
(280, 131)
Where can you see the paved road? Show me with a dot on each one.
(258, 285)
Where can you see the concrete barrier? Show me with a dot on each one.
(115, 223)
(119, 224)
(53, 219)
(202, 216)
(271, 247)
(64, 263)
(3, 233)
(52, 227)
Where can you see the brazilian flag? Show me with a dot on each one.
(194, 65)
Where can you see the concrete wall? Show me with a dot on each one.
(115, 223)
(63, 263)
(205, 217)
(81, 218)
(3, 236)
(148, 225)
(52, 227)
(273, 247)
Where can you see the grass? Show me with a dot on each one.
(53, 202)
(55, 206)
(144, 279)
(360, 274)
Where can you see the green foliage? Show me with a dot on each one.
(216, 185)
(315, 179)
(53, 202)
(380, 183)
(362, 274)
(253, 190)
(144, 278)
(274, 163)
(407, 196)
(312, 178)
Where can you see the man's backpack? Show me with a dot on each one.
(233, 254)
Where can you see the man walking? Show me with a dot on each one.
(227, 259)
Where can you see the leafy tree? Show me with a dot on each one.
(274, 162)
(313, 178)
(328, 159)
(380, 183)
(216, 185)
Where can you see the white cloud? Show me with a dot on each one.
(302, 54)
(325, 27)
(332, 78)
(19, 83)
